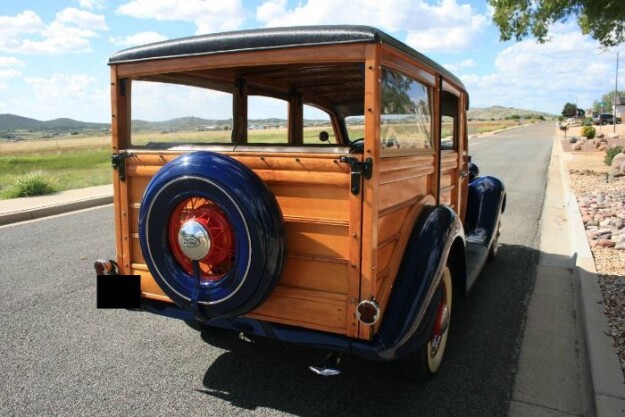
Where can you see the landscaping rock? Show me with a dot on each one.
(618, 160)
(606, 243)
(603, 215)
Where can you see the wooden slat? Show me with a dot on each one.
(394, 194)
(398, 60)
(318, 239)
(371, 187)
(320, 202)
(315, 54)
(298, 307)
(315, 274)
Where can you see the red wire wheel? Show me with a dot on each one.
(220, 258)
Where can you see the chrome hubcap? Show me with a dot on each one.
(194, 240)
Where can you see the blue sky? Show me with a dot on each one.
(53, 54)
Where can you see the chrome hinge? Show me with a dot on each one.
(118, 161)
(358, 169)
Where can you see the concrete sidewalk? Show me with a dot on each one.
(29, 208)
(567, 364)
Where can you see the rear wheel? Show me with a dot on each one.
(425, 362)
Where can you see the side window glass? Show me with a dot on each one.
(449, 121)
(405, 120)
(267, 120)
(317, 127)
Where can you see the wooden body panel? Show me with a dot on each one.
(313, 193)
(405, 187)
(449, 179)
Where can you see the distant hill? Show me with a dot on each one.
(500, 112)
(10, 122)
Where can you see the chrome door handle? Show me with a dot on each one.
(464, 174)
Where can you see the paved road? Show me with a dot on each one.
(61, 356)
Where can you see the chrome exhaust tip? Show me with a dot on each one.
(329, 366)
(368, 312)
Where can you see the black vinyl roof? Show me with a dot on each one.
(272, 38)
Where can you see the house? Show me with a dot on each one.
(619, 109)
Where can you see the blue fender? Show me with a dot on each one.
(485, 203)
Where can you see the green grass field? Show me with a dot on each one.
(62, 169)
(42, 166)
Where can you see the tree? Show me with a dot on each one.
(569, 110)
(608, 99)
(603, 20)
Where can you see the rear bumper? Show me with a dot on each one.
(124, 291)
(376, 349)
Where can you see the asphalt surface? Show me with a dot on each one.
(59, 355)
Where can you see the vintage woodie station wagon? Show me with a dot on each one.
(350, 223)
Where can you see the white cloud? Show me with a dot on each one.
(208, 15)
(467, 63)
(81, 19)
(9, 61)
(77, 96)
(141, 38)
(68, 33)
(545, 77)
(158, 101)
(444, 26)
(5, 75)
(92, 4)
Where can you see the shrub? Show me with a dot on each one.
(588, 131)
(29, 185)
(587, 122)
(610, 153)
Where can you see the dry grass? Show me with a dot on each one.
(54, 145)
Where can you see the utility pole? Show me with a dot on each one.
(615, 95)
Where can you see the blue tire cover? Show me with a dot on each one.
(255, 218)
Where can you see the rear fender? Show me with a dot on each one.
(406, 324)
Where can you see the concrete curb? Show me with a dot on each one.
(605, 390)
(53, 209)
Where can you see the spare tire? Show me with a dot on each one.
(212, 234)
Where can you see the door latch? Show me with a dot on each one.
(358, 170)
(118, 160)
